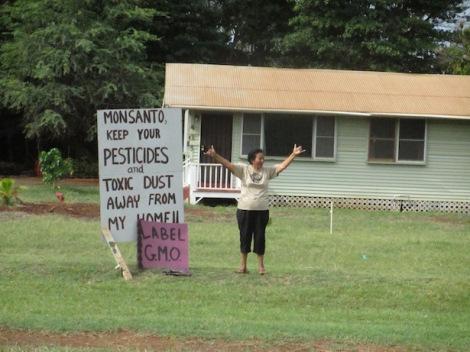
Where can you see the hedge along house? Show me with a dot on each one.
(373, 139)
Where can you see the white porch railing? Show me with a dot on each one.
(210, 181)
(215, 177)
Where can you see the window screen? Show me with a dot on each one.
(251, 136)
(382, 139)
(281, 132)
(412, 136)
(325, 137)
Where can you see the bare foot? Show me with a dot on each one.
(262, 271)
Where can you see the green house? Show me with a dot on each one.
(375, 140)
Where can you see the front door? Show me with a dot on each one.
(216, 130)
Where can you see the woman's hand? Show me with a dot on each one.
(218, 158)
(210, 152)
(297, 150)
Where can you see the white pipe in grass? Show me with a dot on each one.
(331, 218)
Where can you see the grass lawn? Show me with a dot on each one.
(381, 278)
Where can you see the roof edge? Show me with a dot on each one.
(320, 112)
(245, 67)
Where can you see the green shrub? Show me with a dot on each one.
(8, 191)
(53, 166)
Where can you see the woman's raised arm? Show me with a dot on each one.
(212, 153)
(295, 152)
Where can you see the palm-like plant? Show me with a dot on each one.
(8, 191)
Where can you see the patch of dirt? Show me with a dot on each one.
(124, 339)
(92, 210)
(77, 210)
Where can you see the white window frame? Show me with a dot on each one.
(397, 151)
(261, 140)
(314, 136)
(314, 141)
(397, 146)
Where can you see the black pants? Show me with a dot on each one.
(252, 225)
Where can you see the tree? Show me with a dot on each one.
(190, 31)
(255, 29)
(386, 35)
(63, 60)
(456, 58)
(54, 167)
(219, 31)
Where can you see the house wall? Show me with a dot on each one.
(445, 176)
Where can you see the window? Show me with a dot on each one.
(251, 133)
(277, 134)
(394, 140)
(283, 131)
(412, 140)
(382, 140)
(325, 137)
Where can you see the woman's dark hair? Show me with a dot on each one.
(252, 155)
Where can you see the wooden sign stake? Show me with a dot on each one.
(121, 263)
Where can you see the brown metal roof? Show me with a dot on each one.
(245, 88)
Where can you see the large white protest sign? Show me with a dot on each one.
(140, 166)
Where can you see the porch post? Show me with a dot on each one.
(185, 133)
(193, 169)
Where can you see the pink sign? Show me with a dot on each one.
(163, 245)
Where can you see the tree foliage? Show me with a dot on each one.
(53, 166)
(456, 58)
(236, 32)
(190, 32)
(9, 191)
(386, 35)
(63, 60)
(255, 28)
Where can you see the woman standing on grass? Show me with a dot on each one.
(252, 210)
